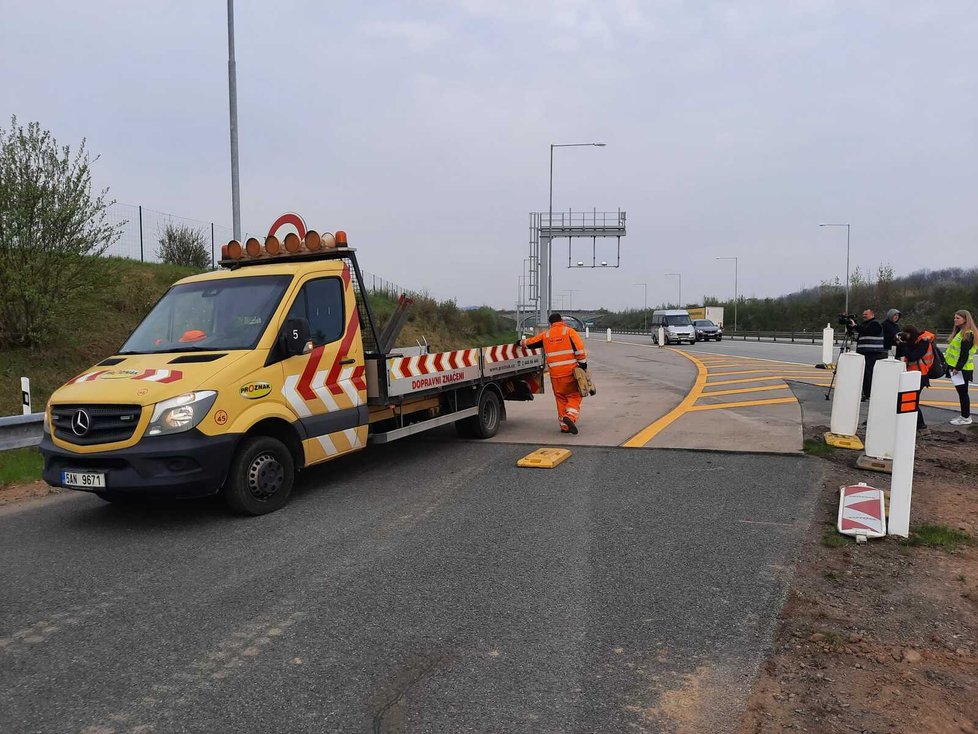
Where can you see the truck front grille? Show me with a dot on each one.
(88, 425)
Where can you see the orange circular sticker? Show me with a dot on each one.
(220, 417)
(141, 391)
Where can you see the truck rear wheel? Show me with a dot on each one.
(486, 423)
(261, 476)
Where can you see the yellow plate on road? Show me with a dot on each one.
(544, 458)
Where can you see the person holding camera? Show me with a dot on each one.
(869, 343)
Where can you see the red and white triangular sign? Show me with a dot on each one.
(862, 511)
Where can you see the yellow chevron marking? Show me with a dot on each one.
(745, 404)
(739, 390)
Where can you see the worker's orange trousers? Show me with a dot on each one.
(568, 398)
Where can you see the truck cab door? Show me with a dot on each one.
(325, 386)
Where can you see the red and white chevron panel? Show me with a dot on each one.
(428, 371)
(504, 358)
(149, 375)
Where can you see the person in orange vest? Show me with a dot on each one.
(564, 351)
(916, 348)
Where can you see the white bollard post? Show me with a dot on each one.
(609, 335)
(881, 420)
(662, 337)
(846, 396)
(25, 394)
(587, 332)
(901, 485)
(828, 342)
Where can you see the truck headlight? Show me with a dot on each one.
(180, 413)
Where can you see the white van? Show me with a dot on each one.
(675, 323)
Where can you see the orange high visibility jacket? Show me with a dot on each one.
(925, 362)
(563, 348)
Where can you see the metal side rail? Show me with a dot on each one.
(20, 431)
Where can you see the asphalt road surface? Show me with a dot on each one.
(424, 586)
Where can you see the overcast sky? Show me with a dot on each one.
(424, 129)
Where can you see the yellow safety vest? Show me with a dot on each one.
(953, 353)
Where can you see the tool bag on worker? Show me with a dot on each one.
(938, 367)
(585, 385)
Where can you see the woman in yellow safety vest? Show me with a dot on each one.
(960, 358)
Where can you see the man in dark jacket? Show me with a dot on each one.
(891, 329)
(869, 343)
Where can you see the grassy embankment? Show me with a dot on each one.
(93, 328)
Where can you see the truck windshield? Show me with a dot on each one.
(216, 314)
(678, 320)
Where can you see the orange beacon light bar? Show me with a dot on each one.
(304, 242)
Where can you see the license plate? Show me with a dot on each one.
(83, 480)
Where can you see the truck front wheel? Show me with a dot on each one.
(261, 476)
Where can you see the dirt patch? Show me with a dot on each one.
(19, 492)
(881, 637)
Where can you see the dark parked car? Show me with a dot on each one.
(706, 330)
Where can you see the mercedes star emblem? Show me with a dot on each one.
(80, 423)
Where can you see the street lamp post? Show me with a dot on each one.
(645, 307)
(548, 278)
(680, 276)
(847, 258)
(233, 105)
(736, 297)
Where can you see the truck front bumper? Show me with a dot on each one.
(184, 465)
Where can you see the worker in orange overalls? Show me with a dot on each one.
(564, 351)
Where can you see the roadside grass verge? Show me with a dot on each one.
(817, 447)
(938, 536)
(20, 466)
(832, 538)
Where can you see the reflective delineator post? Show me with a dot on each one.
(25, 394)
(828, 341)
(662, 337)
(846, 396)
(881, 420)
(609, 335)
(904, 449)
(587, 332)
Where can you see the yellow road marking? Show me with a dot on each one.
(741, 380)
(765, 372)
(938, 403)
(745, 404)
(649, 432)
(739, 390)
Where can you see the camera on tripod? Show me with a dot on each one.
(847, 320)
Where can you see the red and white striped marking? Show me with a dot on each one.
(506, 352)
(350, 382)
(428, 364)
(861, 511)
(162, 376)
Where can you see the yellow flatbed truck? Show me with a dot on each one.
(240, 377)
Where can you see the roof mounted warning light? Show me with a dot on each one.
(297, 241)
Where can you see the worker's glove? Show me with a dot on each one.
(582, 365)
(518, 343)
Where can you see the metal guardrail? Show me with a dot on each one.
(20, 431)
(796, 337)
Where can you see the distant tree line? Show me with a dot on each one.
(926, 298)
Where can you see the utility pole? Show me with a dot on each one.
(233, 103)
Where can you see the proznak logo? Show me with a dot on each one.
(81, 422)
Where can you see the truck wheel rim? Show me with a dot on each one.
(489, 414)
(265, 476)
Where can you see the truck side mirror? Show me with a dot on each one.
(295, 337)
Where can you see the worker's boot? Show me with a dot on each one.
(571, 426)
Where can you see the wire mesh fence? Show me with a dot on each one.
(142, 229)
